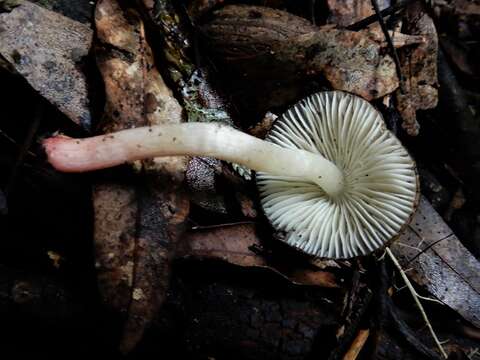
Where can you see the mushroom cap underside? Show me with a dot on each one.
(381, 184)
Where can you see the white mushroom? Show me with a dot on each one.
(331, 175)
(380, 183)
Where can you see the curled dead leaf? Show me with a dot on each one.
(274, 46)
(234, 243)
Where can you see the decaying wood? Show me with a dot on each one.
(47, 49)
(227, 318)
(137, 220)
(437, 260)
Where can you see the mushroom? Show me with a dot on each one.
(330, 175)
(380, 191)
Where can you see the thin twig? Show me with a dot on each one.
(428, 247)
(387, 311)
(408, 246)
(417, 301)
(216, 226)
(391, 48)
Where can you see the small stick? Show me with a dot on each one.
(387, 311)
(417, 301)
(357, 345)
(423, 251)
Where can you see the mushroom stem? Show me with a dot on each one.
(197, 139)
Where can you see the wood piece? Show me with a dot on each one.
(230, 317)
(357, 345)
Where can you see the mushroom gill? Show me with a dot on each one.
(380, 182)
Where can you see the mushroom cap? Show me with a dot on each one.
(381, 183)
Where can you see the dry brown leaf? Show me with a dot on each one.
(437, 260)
(234, 243)
(351, 62)
(262, 128)
(419, 67)
(265, 45)
(418, 63)
(138, 220)
(47, 49)
(247, 205)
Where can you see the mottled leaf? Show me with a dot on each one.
(47, 49)
(437, 260)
